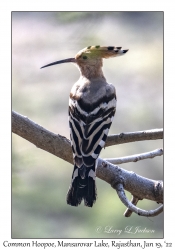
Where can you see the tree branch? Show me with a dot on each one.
(137, 157)
(132, 207)
(153, 134)
(55, 144)
(59, 146)
(134, 201)
(137, 185)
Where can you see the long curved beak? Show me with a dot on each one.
(59, 62)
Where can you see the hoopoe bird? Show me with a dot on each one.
(92, 105)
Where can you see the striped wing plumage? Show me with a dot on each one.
(88, 133)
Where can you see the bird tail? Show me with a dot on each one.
(83, 186)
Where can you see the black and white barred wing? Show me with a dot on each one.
(88, 132)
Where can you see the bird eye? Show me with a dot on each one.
(84, 57)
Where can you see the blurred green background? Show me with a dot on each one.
(40, 180)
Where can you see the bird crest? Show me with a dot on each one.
(98, 51)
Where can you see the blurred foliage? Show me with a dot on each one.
(40, 180)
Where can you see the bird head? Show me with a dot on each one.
(91, 55)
